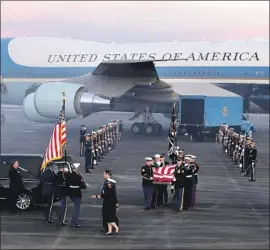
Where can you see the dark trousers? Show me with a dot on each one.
(252, 171)
(193, 198)
(76, 210)
(49, 198)
(88, 161)
(63, 209)
(187, 193)
(148, 193)
(180, 198)
(162, 193)
(82, 148)
(154, 196)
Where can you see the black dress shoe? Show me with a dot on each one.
(146, 208)
(49, 222)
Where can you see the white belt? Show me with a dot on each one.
(195, 174)
(188, 176)
(74, 186)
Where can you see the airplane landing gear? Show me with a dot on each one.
(149, 126)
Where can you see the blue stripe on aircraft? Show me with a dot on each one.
(9, 69)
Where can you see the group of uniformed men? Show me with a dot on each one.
(183, 185)
(241, 149)
(63, 183)
(95, 145)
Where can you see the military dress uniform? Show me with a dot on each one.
(82, 139)
(61, 191)
(48, 178)
(147, 183)
(179, 186)
(188, 172)
(252, 156)
(195, 167)
(88, 155)
(74, 184)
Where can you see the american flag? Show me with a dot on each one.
(163, 174)
(58, 140)
(172, 130)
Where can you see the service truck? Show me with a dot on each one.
(203, 109)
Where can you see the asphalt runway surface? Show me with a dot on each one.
(231, 212)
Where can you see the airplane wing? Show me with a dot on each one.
(115, 78)
(127, 69)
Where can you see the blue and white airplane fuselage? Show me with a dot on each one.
(240, 67)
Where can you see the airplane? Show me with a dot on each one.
(136, 78)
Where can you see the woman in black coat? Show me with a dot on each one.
(15, 185)
(109, 203)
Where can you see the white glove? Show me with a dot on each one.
(151, 178)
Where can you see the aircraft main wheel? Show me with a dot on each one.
(136, 128)
(149, 129)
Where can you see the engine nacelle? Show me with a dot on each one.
(31, 112)
(48, 99)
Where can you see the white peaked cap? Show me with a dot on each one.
(148, 158)
(76, 165)
(157, 156)
(187, 158)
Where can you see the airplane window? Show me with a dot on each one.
(257, 72)
(262, 72)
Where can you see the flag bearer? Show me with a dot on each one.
(147, 182)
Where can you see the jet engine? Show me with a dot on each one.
(45, 104)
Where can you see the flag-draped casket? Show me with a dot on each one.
(163, 175)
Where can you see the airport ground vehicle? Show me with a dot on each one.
(32, 195)
(202, 116)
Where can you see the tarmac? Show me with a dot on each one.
(231, 212)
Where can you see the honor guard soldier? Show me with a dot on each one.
(195, 180)
(88, 153)
(188, 172)
(48, 179)
(147, 182)
(156, 200)
(62, 192)
(179, 184)
(82, 139)
(94, 149)
(74, 184)
(246, 169)
(252, 156)
(120, 130)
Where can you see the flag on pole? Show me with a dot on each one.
(172, 130)
(163, 174)
(58, 139)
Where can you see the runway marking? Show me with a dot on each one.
(28, 131)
